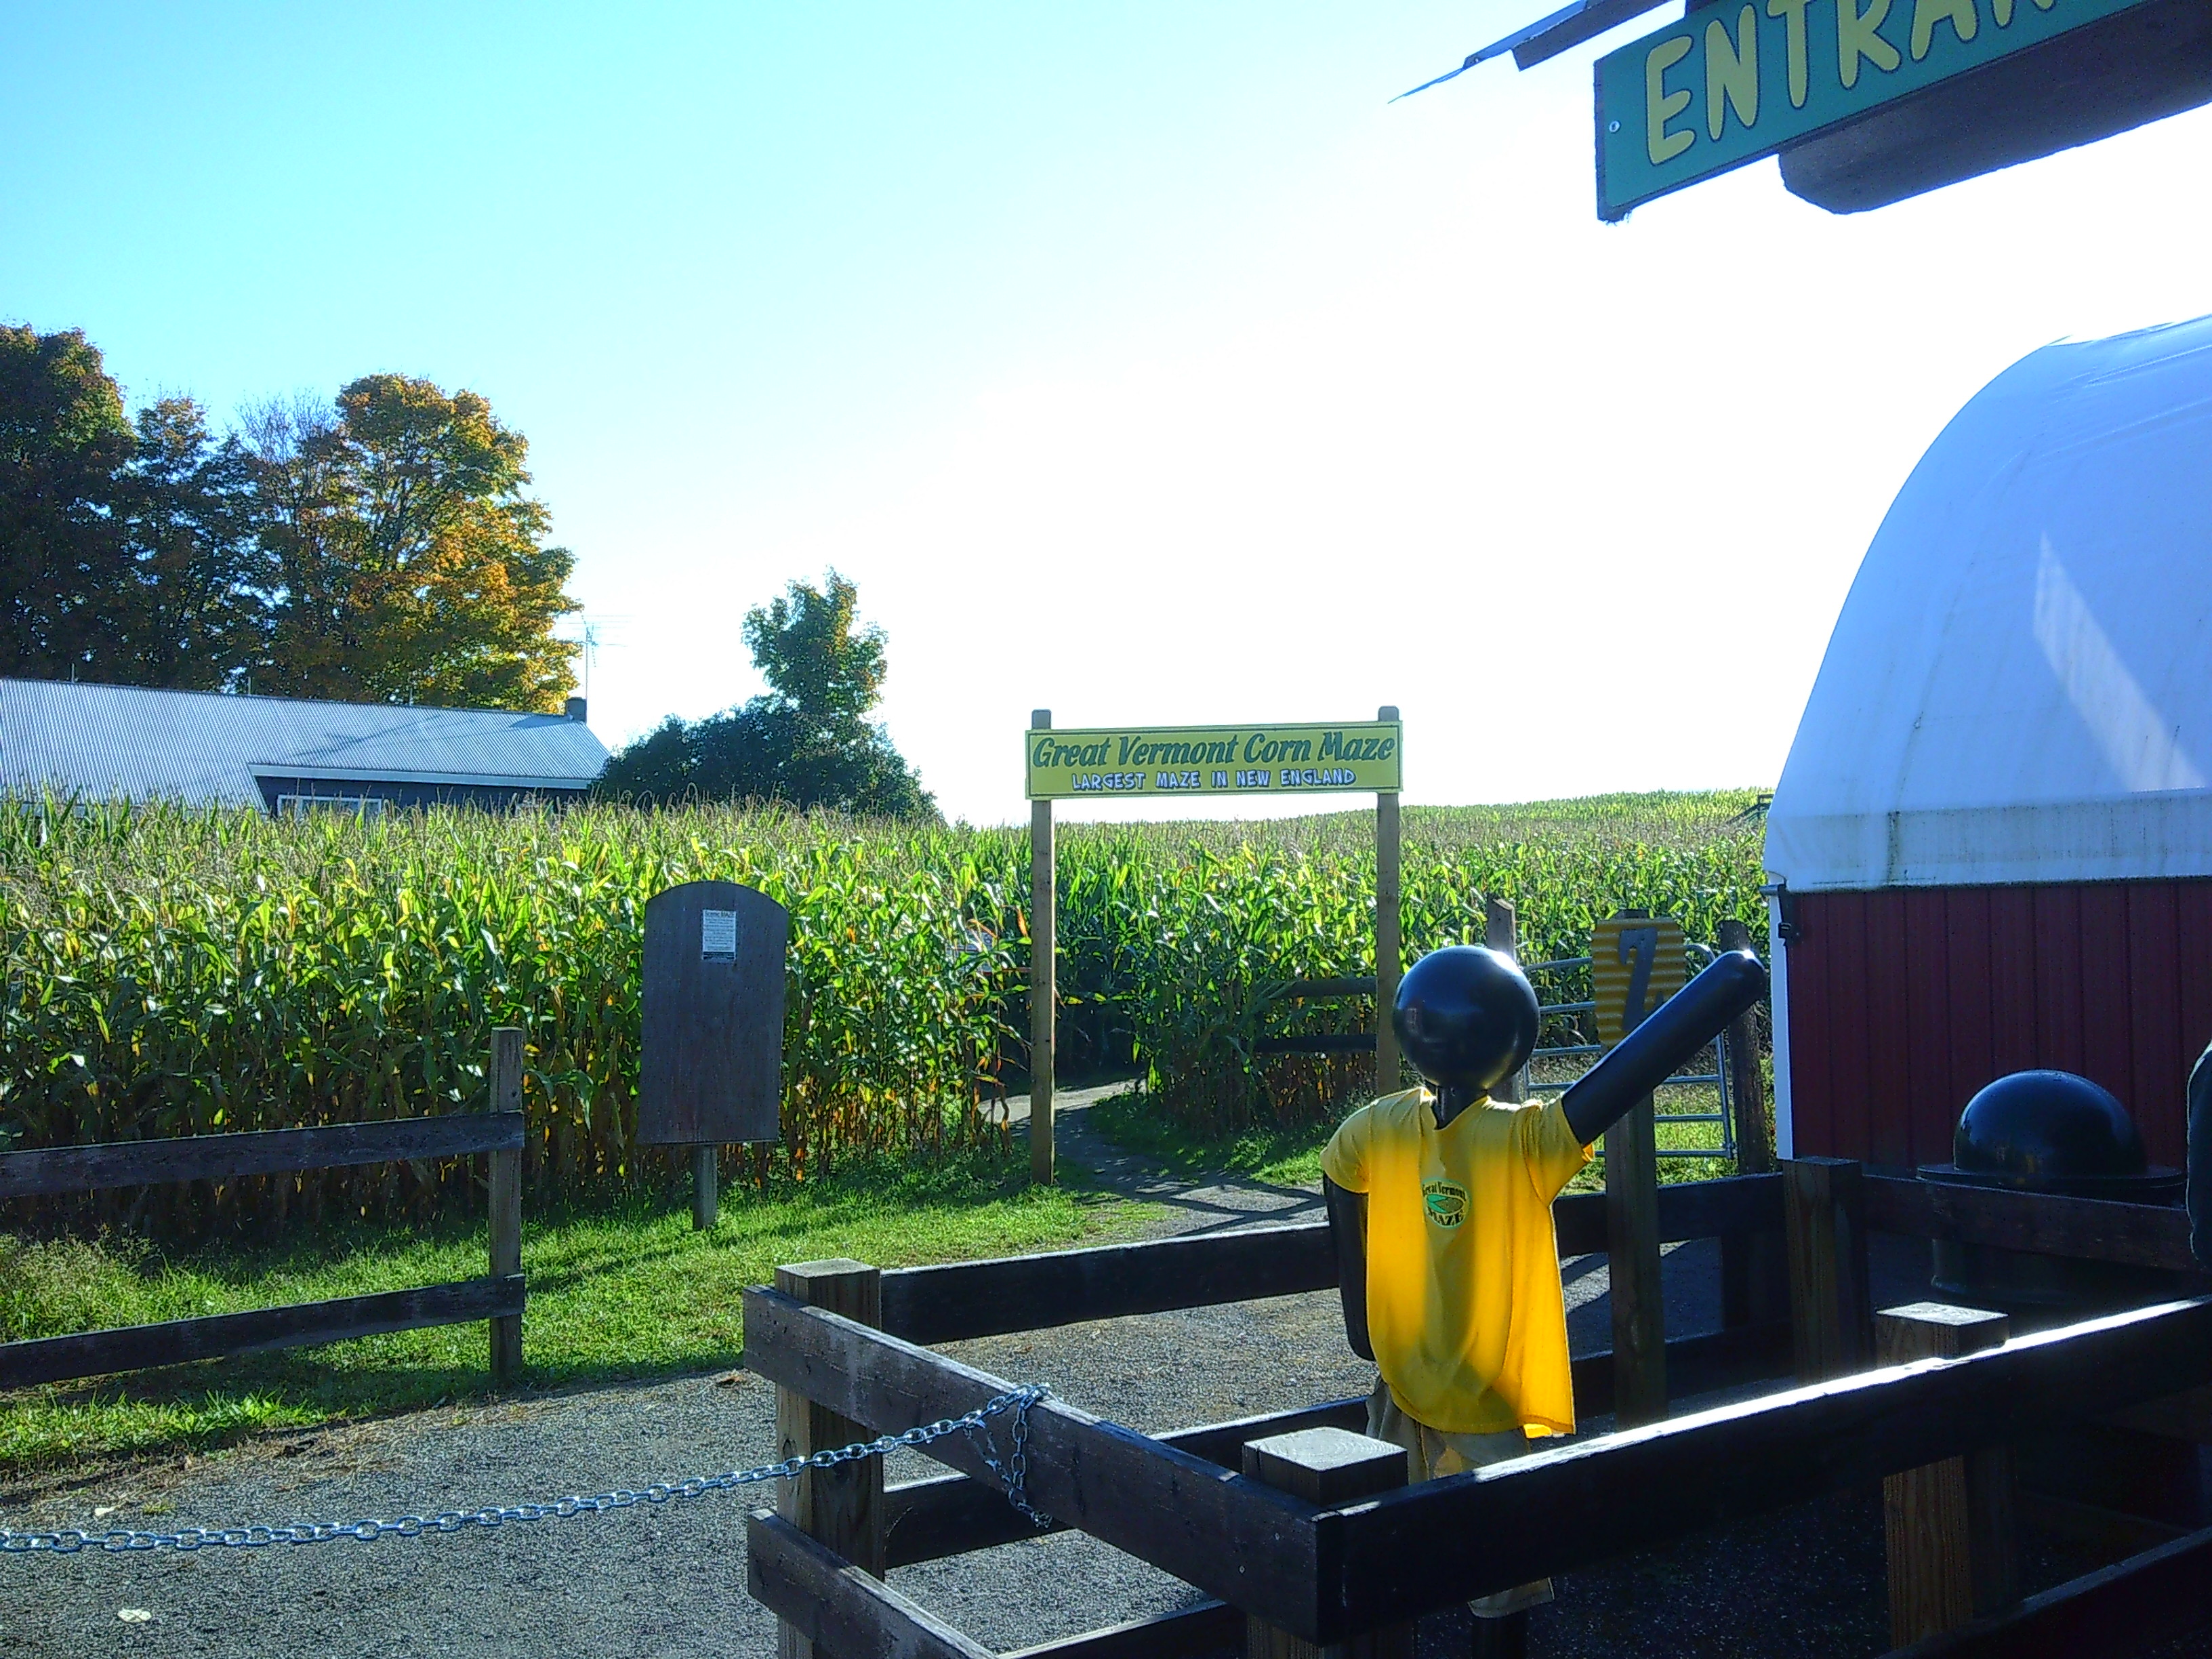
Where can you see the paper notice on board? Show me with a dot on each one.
(718, 936)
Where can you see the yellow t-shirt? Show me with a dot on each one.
(1464, 1307)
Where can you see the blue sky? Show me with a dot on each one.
(1140, 361)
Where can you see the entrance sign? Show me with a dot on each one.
(1732, 82)
(1214, 760)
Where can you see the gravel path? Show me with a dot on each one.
(671, 1580)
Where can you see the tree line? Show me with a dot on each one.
(381, 547)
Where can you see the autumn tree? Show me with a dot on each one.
(807, 740)
(411, 564)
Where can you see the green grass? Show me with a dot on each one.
(614, 1294)
(1291, 1156)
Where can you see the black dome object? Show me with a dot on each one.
(1465, 1017)
(2047, 1126)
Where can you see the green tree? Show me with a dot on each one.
(193, 608)
(411, 564)
(807, 740)
(63, 441)
(128, 551)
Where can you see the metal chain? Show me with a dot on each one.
(1011, 1476)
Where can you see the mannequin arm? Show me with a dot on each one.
(1670, 1034)
(1348, 1228)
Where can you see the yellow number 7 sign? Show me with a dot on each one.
(1636, 964)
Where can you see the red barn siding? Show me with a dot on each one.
(1903, 1001)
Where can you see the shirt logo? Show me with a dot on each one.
(1445, 1201)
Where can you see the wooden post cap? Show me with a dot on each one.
(1937, 1330)
(793, 1274)
(1325, 1466)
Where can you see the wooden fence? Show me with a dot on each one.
(498, 1297)
(1287, 1543)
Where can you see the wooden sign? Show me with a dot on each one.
(1214, 760)
(1728, 84)
(1635, 964)
(712, 1070)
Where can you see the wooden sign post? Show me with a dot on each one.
(1044, 977)
(1120, 762)
(711, 1071)
(1636, 964)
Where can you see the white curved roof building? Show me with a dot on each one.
(1994, 831)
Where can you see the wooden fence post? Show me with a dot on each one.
(1825, 1222)
(706, 1187)
(1501, 931)
(1952, 1552)
(1755, 1276)
(841, 1508)
(506, 1200)
(1389, 954)
(1325, 1467)
(1633, 1287)
(1044, 981)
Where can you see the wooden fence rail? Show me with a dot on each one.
(1328, 1573)
(499, 1297)
(962, 1299)
(264, 1152)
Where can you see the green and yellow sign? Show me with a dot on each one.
(1214, 760)
(1742, 79)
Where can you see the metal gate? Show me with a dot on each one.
(1571, 1013)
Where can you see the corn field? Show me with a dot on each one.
(171, 972)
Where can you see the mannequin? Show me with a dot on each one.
(1467, 1181)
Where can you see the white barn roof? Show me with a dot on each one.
(127, 743)
(2020, 686)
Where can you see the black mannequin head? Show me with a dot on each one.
(1465, 1017)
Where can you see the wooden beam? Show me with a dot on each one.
(1318, 1042)
(504, 1191)
(834, 1607)
(1557, 1510)
(962, 1299)
(1389, 951)
(1501, 931)
(264, 1152)
(2044, 1223)
(952, 1514)
(1330, 1467)
(1633, 1291)
(141, 1347)
(1829, 1301)
(1192, 1632)
(1575, 25)
(1321, 989)
(2122, 1609)
(1044, 976)
(1230, 1537)
(930, 1305)
(1947, 1526)
(840, 1508)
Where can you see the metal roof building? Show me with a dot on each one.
(1994, 832)
(128, 742)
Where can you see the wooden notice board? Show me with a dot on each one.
(712, 1069)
